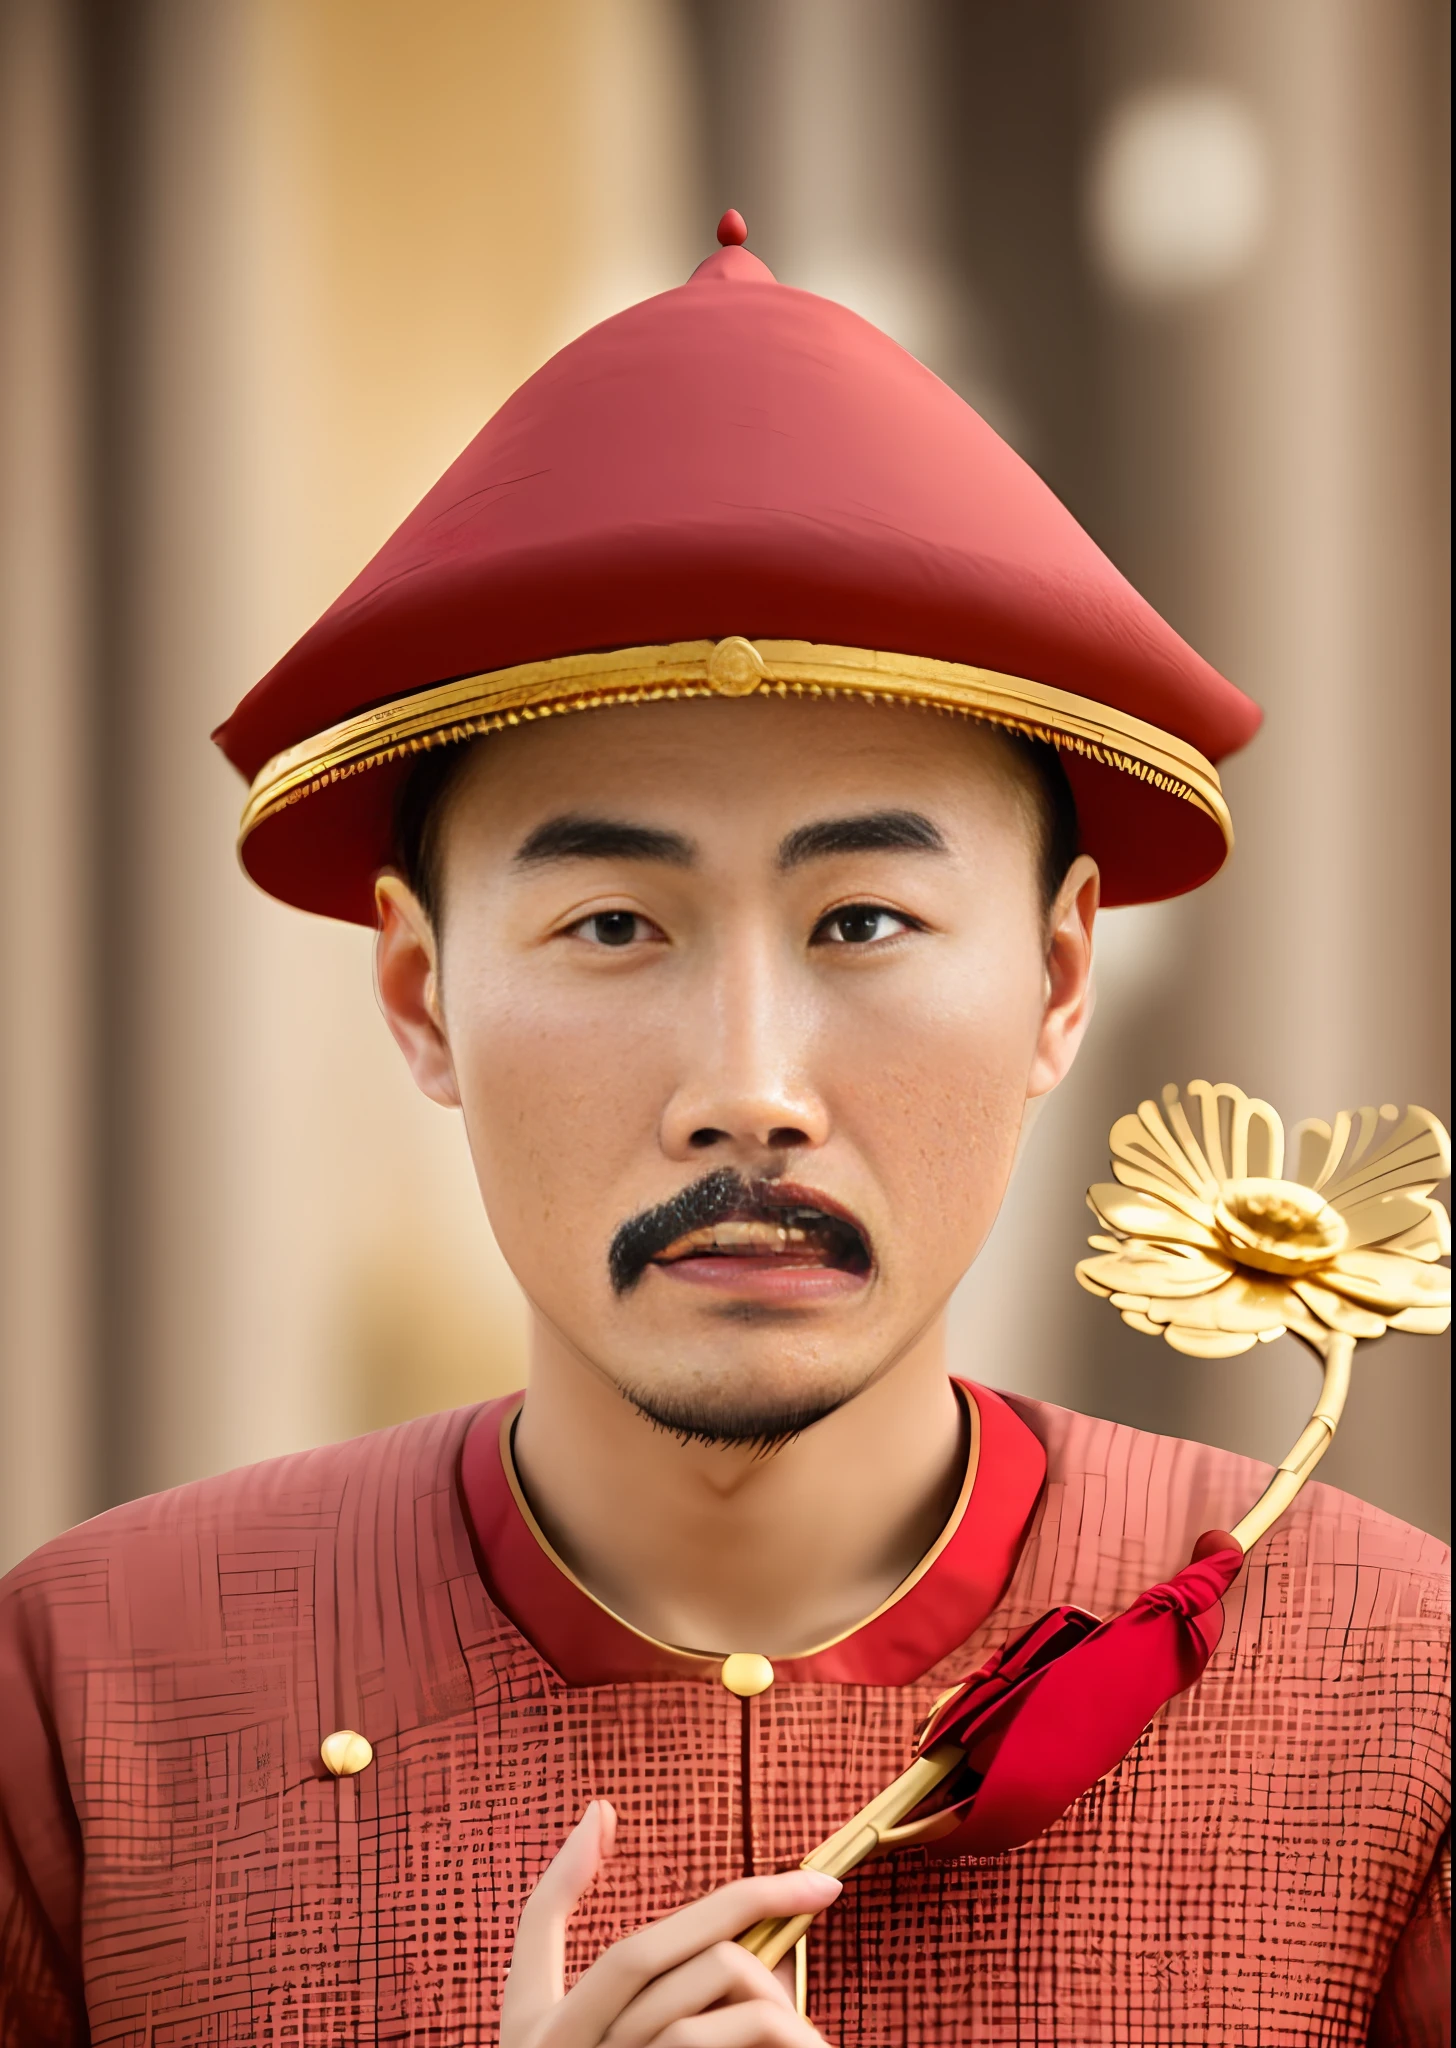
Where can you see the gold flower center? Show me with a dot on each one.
(1278, 1226)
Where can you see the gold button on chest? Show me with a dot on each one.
(747, 1674)
(345, 1753)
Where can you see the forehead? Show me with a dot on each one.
(725, 770)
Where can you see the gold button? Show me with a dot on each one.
(735, 667)
(747, 1674)
(345, 1753)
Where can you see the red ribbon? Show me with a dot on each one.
(1039, 1746)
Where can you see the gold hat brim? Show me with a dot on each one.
(472, 706)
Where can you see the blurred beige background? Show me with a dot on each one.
(265, 266)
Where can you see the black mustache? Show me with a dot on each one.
(646, 1236)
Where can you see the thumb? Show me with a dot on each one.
(537, 1977)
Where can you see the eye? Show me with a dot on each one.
(861, 924)
(615, 928)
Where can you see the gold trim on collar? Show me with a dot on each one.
(734, 667)
(715, 1657)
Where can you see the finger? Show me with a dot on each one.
(722, 1975)
(601, 1993)
(537, 1976)
(755, 2025)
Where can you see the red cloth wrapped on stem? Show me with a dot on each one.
(1080, 1695)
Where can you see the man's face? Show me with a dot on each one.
(743, 1003)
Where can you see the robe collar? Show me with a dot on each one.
(944, 1600)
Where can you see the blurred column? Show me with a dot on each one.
(1009, 114)
(1277, 401)
(362, 226)
(818, 127)
(47, 1466)
(268, 265)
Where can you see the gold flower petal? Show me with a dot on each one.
(1161, 1271)
(1387, 1282)
(1186, 1160)
(1377, 1152)
(1208, 1343)
(1255, 1144)
(1259, 1295)
(1389, 1217)
(1428, 1242)
(1338, 1313)
(1145, 1145)
(1318, 1147)
(1135, 1320)
(1423, 1322)
(1148, 1216)
(1234, 1306)
(1162, 1189)
(1182, 1129)
(1158, 1313)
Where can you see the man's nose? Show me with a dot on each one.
(746, 1046)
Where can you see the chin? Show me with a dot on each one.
(760, 1409)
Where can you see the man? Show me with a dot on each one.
(743, 983)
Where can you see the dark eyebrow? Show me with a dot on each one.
(870, 832)
(574, 837)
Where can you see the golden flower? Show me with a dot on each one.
(1216, 1251)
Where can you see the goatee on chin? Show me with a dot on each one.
(762, 1427)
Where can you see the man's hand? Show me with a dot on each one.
(680, 1983)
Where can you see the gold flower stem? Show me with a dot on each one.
(1314, 1440)
(874, 1827)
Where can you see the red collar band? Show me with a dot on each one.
(936, 1609)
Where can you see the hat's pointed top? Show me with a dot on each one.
(731, 261)
(734, 461)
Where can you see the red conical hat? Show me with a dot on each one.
(734, 486)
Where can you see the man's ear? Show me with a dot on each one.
(407, 983)
(1070, 994)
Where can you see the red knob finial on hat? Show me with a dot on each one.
(733, 229)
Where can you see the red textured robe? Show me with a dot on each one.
(176, 1866)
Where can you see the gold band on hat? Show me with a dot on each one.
(735, 667)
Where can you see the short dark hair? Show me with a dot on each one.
(420, 808)
(1058, 829)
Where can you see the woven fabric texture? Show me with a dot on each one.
(176, 1867)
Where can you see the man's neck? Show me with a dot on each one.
(719, 1548)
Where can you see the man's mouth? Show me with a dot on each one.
(764, 1240)
(797, 1235)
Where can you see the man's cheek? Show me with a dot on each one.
(942, 1146)
(554, 1065)
(958, 1100)
(553, 1142)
